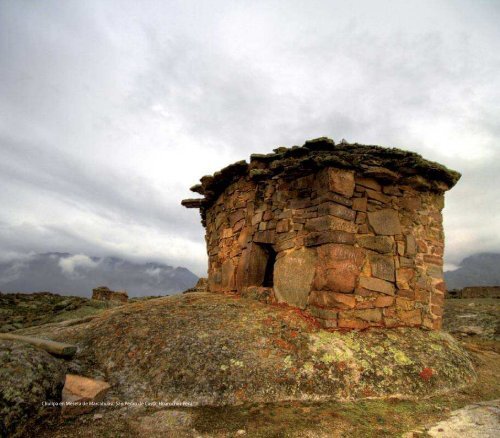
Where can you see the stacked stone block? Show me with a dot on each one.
(354, 233)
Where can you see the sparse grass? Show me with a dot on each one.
(93, 307)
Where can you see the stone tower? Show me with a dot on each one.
(350, 233)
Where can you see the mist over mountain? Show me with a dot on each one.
(69, 274)
(477, 270)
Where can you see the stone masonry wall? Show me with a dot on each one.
(353, 252)
(354, 248)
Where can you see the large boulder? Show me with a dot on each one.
(31, 379)
(219, 349)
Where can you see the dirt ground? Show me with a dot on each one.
(368, 418)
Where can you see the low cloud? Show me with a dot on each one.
(69, 264)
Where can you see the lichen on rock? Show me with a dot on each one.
(221, 349)
(29, 378)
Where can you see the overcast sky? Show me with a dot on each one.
(111, 110)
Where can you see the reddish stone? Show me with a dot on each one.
(267, 216)
(326, 223)
(352, 324)
(299, 203)
(377, 285)
(406, 293)
(384, 301)
(341, 182)
(362, 292)
(411, 245)
(390, 312)
(401, 248)
(435, 260)
(385, 222)
(391, 322)
(238, 225)
(257, 218)
(264, 237)
(360, 217)
(363, 229)
(284, 245)
(365, 304)
(436, 310)
(339, 267)
(378, 196)
(404, 303)
(437, 323)
(381, 244)
(368, 183)
(422, 246)
(331, 299)
(359, 204)
(243, 238)
(437, 299)
(422, 295)
(334, 209)
(370, 315)
(228, 275)
(405, 262)
(392, 190)
(411, 203)
(403, 277)
(382, 266)
(283, 226)
(330, 196)
(323, 313)
(226, 233)
(82, 394)
(236, 216)
(323, 237)
(330, 254)
(411, 317)
(441, 286)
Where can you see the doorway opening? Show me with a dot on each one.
(270, 258)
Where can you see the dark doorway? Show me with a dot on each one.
(269, 270)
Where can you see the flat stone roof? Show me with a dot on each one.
(391, 165)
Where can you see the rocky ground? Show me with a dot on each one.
(151, 351)
(473, 318)
(21, 310)
(18, 311)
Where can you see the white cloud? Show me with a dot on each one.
(68, 265)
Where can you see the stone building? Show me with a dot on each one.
(103, 293)
(350, 233)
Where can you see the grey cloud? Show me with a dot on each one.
(110, 111)
(102, 190)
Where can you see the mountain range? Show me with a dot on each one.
(78, 274)
(70, 274)
(481, 269)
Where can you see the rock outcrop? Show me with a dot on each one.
(223, 349)
(31, 380)
(102, 293)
